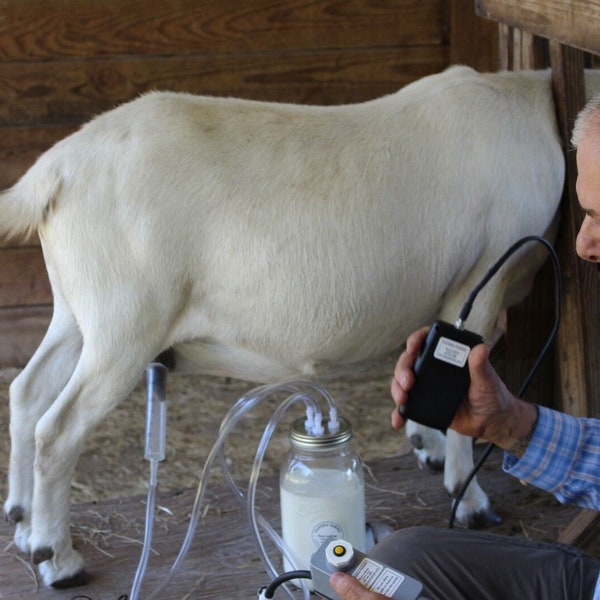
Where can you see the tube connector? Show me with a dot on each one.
(318, 428)
(310, 419)
(156, 412)
(334, 425)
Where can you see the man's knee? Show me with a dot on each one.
(405, 546)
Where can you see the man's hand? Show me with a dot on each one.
(489, 411)
(349, 588)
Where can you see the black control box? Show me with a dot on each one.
(441, 376)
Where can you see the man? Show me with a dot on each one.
(550, 450)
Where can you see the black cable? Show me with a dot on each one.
(466, 309)
(464, 313)
(268, 591)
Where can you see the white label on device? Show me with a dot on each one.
(451, 352)
(377, 578)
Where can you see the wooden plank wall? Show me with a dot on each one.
(63, 61)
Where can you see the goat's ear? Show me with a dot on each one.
(167, 358)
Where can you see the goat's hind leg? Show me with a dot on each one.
(103, 377)
(474, 510)
(31, 394)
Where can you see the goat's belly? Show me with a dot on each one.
(217, 358)
(210, 357)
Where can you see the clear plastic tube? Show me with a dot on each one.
(235, 414)
(154, 451)
(150, 508)
(254, 517)
(256, 520)
(250, 400)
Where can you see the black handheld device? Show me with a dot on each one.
(441, 376)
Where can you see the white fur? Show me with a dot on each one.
(266, 241)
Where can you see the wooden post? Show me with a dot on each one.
(570, 31)
(569, 94)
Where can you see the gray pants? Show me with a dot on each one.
(458, 564)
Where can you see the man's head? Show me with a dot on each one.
(586, 139)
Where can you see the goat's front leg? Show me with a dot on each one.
(31, 393)
(93, 391)
(454, 453)
(429, 445)
(474, 509)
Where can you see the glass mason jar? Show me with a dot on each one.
(322, 493)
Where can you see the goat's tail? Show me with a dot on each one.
(25, 206)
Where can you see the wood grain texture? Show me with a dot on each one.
(63, 92)
(223, 561)
(473, 40)
(579, 316)
(21, 331)
(42, 30)
(64, 61)
(23, 279)
(582, 530)
(20, 147)
(570, 22)
(570, 27)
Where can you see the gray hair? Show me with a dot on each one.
(588, 117)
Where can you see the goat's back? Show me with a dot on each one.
(313, 234)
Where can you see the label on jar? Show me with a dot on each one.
(325, 531)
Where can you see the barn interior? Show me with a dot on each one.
(64, 61)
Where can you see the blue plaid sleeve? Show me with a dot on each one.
(563, 457)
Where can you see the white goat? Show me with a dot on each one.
(266, 241)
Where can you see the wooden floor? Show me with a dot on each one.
(223, 562)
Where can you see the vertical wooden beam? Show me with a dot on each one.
(519, 49)
(579, 324)
(505, 46)
(473, 40)
(522, 50)
(569, 89)
(577, 358)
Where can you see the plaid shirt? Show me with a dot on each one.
(563, 457)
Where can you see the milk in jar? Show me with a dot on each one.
(322, 493)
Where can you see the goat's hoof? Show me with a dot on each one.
(15, 515)
(65, 570)
(434, 461)
(483, 519)
(416, 441)
(41, 555)
(435, 464)
(82, 577)
(22, 536)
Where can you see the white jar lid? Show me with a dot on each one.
(301, 438)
